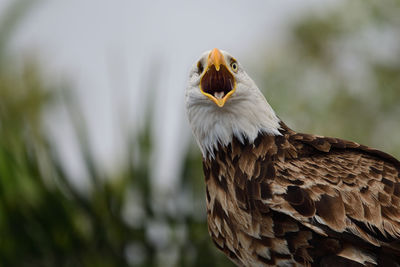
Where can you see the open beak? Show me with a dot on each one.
(217, 81)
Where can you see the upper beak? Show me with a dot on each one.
(216, 58)
(218, 80)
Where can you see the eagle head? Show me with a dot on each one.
(222, 101)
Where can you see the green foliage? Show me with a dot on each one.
(338, 73)
(46, 221)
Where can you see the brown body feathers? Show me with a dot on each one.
(304, 200)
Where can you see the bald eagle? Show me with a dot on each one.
(276, 197)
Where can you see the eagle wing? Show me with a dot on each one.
(338, 189)
(339, 185)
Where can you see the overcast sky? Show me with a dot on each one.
(106, 49)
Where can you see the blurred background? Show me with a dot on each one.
(97, 163)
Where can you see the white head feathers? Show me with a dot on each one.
(245, 114)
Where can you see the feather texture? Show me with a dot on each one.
(303, 200)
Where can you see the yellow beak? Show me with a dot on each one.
(217, 79)
(216, 58)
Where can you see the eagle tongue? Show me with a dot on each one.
(219, 95)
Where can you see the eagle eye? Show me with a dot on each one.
(200, 67)
(234, 66)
